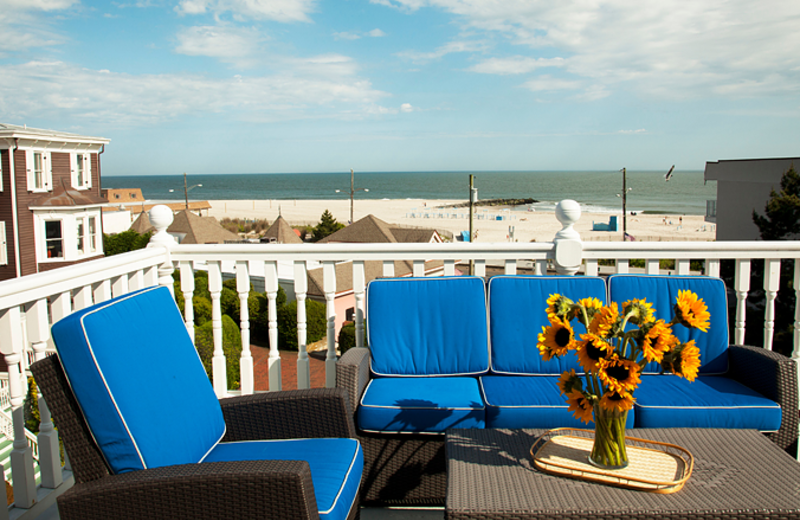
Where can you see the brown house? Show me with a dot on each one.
(50, 204)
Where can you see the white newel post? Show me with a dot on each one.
(161, 218)
(11, 345)
(301, 289)
(568, 246)
(246, 361)
(49, 458)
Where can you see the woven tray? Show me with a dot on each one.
(653, 466)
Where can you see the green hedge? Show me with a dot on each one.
(231, 346)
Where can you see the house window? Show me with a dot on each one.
(40, 174)
(3, 245)
(81, 170)
(81, 237)
(133, 195)
(92, 234)
(116, 195)
(54, 239)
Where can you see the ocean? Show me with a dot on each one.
(597, 191)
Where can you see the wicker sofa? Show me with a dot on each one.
(444, 355)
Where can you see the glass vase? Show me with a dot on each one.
(608, 451)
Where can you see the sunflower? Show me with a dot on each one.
(692, 311)
(580, 407)
(604, 320)
(590, 305)
(640, 311)
(558, 305)
(569, 381)
(687, 361)
(556, 339)
(591, 350)
(657, 340)
(619, 374)
(615, 401)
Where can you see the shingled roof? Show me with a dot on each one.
(372, 269)
(371, 230)
(64, 196)
(200, 230)
(282, 232)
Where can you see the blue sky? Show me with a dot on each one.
(262, 86)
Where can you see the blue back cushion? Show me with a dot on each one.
(427, 326)
(662, 292)
(517, 313)
(139, 381)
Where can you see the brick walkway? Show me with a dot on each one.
(288, 369)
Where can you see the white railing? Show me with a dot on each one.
(44, 298)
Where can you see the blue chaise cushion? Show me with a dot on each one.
(420, 404)
(528, 402)
(668, 401)
(428, 326)
(517, 313)
(336, 466)
(662, 292)
(128, 361)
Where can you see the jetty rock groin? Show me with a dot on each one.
(494, 202)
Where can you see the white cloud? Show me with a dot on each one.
(125, 99)
(515, 65)
(666, 48)
(376, 33)
(278, 10)
(36, 5)
(449, 48)
(406, 107)
(346, 36)
(547, 83)
(229, 44)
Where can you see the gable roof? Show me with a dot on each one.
(282, 232)
(372, 269)
(199, 230)
(142, 224)
(416, 235)
(371, 229)
(8, 131)
(64, 196)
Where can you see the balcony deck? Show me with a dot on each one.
(29, 305)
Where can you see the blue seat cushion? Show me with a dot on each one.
(662, 292)
(123, 358)
(667, 401)
(428, 326)
(336, 466)
(517, 313)
(529, 402)
(421, 404)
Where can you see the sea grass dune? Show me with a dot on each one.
(492, 224)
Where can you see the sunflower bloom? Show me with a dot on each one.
(580, 407)
(556, 339)
(604, 320)
(640, 311)
(619, 374)
(657, 341)
(615, 401)
(689, 357)
(569, 381)
(559, 306)
(692, 311)
(591, 350)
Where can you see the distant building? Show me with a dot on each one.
(188, 228)
(371, 229)
(280, 232)
(131, 199)
(743, 185)
(50, 204)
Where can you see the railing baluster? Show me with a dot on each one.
(187, 288)
(329, 288)
(772, 278)
(652, 266)
(419, 268)
(480, 268)
(592, 268)
(218, 363)
(49, 458)
(61, 307)
(510, 266)
(742, 283)
(83, 297)
(246, 361)
(623, 266)
(271, 287)
(388, 268)
(540, 267)
(136, 280)
(683, 266)
(120, 285)
(300, 290)
(11, 345)
(102, 291)
(712, 267)
(151, 276)
(449, 267)
(359, 287)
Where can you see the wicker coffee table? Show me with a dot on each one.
(737, 474)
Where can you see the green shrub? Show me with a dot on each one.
(231, 346)
(31, 407)
(316, 324)
(123, 242)
(347, 336)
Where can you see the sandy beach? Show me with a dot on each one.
(493, 224)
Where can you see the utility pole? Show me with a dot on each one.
(624, 197)
(472, 200)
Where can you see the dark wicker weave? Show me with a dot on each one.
(409, 469)
(219, 490)
(737, 474)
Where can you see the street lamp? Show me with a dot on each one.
(186, 190)
(624, 196)
(353, 191)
